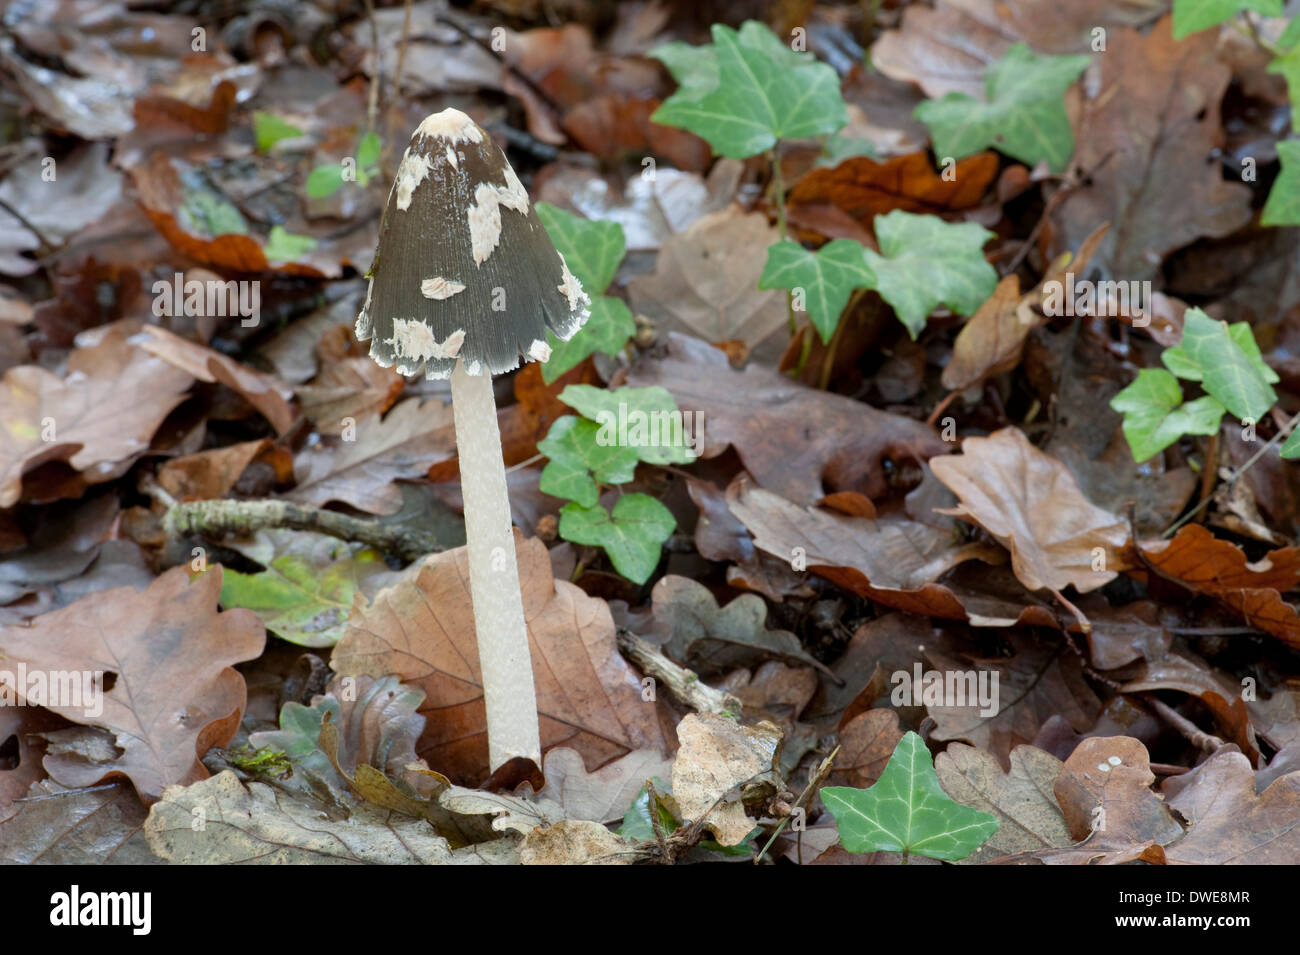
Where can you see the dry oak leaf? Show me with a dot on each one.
(602, 796)
(865, 188)
(171, 655)
(99, 417)
(1032, 504)
(259, 825)
(947, 47)
(717, 754)
(61, 826)
(209, 475)
(1020, 798)
(866, 743)
(894, 562)
(422, 629)
(1105, 792)
(1230, 824)
(1149, 137)
(1042, 679)
(409, 440)
(266, 393)
(1198, 560)
(706, 282)
(351, 386)
(577, 842)
(796, 441)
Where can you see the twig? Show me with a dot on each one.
(242, 518)
(682, 683)
(823, 769)
(1202, 740)
(372, 101)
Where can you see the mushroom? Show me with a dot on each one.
(465, 283)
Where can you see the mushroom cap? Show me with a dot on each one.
(464, 268)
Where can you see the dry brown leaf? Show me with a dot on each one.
(1149, 138)
(602, 796)
(865, 188)
(208, 475)
(421, 629)
(866, 743)
(1199, 561)
(61, 826)
(1104, 790)
(266, 393)
(1230, 824)
(404, 444)
(1020, 798)
(717, 754)
(171, 655)
(895, 562)
(992, 341)
(98, 418)
(353, 387)
(1032, 504)
(795, 441)
(576, 842)
(706, 282)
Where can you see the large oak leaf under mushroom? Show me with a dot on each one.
(422, 630)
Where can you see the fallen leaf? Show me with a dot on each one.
(1030, 503)
(208, 475)
(576, 842)
(1230, 824)
(717, 754)
(1021, 798)
(421, 629)
(769, 419)
(602, 796)
(866, 743)
(174, 691)
(60, 826)
(707, 638)
(256, 824)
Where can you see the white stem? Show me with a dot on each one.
(503, 655)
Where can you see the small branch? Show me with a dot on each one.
(682, 683)
(1201, 740)
(242, 518)
(823, 770)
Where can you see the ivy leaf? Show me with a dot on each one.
(632, 535)
(1024, 115)
(839, 148)
(1192, 16)
(927, 262)
(1155, 416)
(1291, 449)
(765, 92)
(907, 811)
(828, 277)
(1226, 361)
(300, 601)
(578, 460)
(608, 328)
(644, 419)
(285, 246)
(591, 248)
(269, 129)
(368, 150)
(324, 181)
(1283, 205)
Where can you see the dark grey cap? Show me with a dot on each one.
(464, 267)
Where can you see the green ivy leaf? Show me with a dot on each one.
(284, 246)
(1226, 361)
(324, 181)
(1283, 205)
(907, 811)
(300, 601)
(765, 92)
(646, 417)
(368, 150)
(1192, 16)
(1024, 115)
(839, 148)
(828, 277)
(1291, 449)
(578, 461)
(1155, 416)
(592, 248)
(925, 262)
(637, 823)
(632, 535)
(269, 129)
(608, 328)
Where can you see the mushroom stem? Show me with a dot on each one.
(504, 658)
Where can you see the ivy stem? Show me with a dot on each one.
(778, 189)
